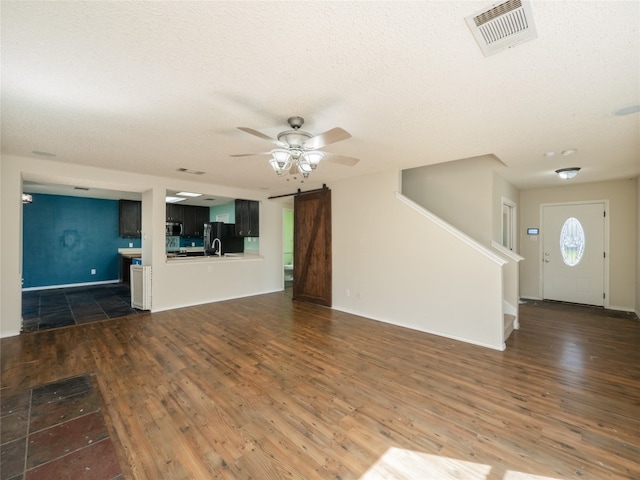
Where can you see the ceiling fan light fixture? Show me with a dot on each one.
(568, 173)
(280, 171)
(304, 166)
(312, 158)
(281, 162)
(297, 151)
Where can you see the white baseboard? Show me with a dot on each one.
(69, 285)
(10, 333)
(621, 309)
(501, 347)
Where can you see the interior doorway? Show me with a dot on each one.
(574, 255)
(508, 223)
(287, 247)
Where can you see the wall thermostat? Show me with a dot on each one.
(533, 231)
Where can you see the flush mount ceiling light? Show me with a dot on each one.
(569, 151)
(297, 150)
(568, 173)
(174, 199)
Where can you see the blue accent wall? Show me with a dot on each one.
(63, 238)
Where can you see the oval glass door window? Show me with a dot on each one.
(572, 242)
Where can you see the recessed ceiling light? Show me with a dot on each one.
(43, 154)
(568, 152)
(549, 154)
(174, 199)
(188, 194)
(627, 110)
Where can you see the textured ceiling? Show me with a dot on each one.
(150, 87)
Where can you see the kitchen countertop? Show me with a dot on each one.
(229, 257)
(130, 252)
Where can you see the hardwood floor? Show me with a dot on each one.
(263, 388)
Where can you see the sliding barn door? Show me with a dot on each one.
(312, 247)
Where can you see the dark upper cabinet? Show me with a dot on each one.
(175, 212)
(130, 216)
(247, 218)
(194, 219)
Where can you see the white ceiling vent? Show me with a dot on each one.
(502, 25)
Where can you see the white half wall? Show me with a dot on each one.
(392, 264)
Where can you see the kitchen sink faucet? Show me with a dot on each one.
(213, 246)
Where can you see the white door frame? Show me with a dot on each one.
(606, 244)
(513, 221)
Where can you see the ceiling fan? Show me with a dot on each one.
(297, 150)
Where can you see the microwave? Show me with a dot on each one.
(173, 229)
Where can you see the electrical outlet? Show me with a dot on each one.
(93, 271)
(347, 292)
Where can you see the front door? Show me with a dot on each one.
(312, 247)
(573, 253)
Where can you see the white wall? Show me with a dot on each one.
(11, 251)
(173, 285)
(459, 192)
(623, 245)
(638, 246)
(392, 264)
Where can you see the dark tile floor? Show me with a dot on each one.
(61, 307)
(56, 431)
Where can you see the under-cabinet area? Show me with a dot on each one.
(126, 260)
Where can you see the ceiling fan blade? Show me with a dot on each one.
(330, 136)
(257, 133)
(341, 160)
(250, 154)
(262, 135)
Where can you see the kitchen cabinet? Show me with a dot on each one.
(194, 219)
(130, 218)
(175, 212)
(247, 218)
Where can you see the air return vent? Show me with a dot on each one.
(502, 25)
